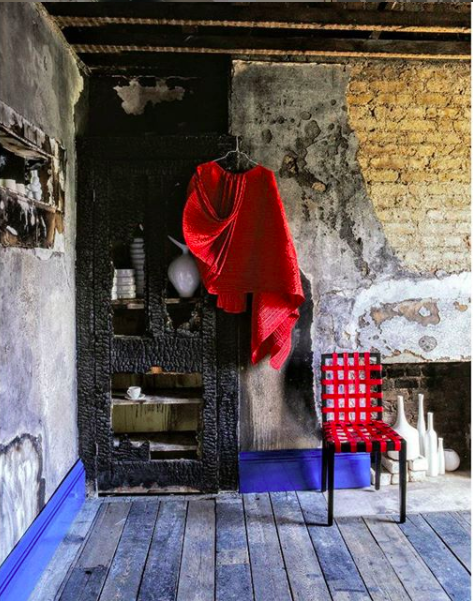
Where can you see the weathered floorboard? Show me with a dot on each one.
(466, 515)
(440, 560)
(416, 577)
(303, 568)
(233, 574)
(377, 573)
(197, 578)
(86, 580)
(267, 566)
(161, 574)
(452, 534)
(124, 576)
(343, 579)
(460, 517)
(56, 572)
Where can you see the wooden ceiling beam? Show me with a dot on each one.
(254, 46)
(259, 15)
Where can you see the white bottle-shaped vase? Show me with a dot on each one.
(183, 272)
(421, 424)
(408, 432)
(431, 447)
(441, 459)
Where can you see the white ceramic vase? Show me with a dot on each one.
(421, 424)
(452, 460)
(441, 458)
(183, 272)
(431, 447)
(408, 432)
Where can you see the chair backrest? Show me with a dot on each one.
(352, 387)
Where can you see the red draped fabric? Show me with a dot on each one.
(235, 226)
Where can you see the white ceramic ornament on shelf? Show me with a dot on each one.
(421, 424)
(431, 447)
(408, 432)
(441, 457)
(33, 189)
(183, 272)
(452, 460)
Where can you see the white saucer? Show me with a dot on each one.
(140, 398)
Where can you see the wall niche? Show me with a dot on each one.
(32, 184)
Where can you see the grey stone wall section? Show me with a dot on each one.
(293, 119)
(40, 81)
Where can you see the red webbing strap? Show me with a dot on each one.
(346, 385)
(343, 433)
(351, 387)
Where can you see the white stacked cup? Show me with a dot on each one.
(125, 286)
(137, 252)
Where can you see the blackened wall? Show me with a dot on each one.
(172, 96)
(446, 388)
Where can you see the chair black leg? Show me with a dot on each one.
(331, 482)
(403, 480)
(377, 462)
(324, 468)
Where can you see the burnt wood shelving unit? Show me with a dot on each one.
(183, 435)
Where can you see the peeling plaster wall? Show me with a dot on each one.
(294, 119)
(38, 431)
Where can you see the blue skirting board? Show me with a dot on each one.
(22, 569)
(273, 471)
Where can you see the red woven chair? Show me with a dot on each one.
(352, 406)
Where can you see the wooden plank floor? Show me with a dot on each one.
(257, 547)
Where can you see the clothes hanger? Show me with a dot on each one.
(238, 152)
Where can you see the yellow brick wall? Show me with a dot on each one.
(412, 121)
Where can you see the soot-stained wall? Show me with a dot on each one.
(38, 422)
(367, 184)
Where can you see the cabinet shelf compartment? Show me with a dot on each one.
(155, 417)
(129, 317)
(164, 445)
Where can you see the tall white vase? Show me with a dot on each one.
(441, 459)
(421, 424)
(431, 447)
(408, 432)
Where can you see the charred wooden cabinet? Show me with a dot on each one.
(181, 352)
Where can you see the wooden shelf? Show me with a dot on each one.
(178, 301)
(129, 303)
(167, 397)
(165, 441)
(31, 201)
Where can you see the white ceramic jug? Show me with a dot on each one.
(441, 459)
(421, 424)
(431, 447)
(408, 432)
(183, 272)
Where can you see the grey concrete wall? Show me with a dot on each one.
(38, 429)
(293, 118)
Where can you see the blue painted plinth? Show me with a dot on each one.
(272, 471)
(22, 569)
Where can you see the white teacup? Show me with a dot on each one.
(11, 184)
(21, 189)
(134, 392)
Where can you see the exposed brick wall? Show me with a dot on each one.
(412, 121)
(446, 387)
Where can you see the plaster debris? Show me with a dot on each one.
(135, 97)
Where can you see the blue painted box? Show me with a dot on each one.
(273, 471)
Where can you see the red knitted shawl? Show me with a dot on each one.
(235, 226)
